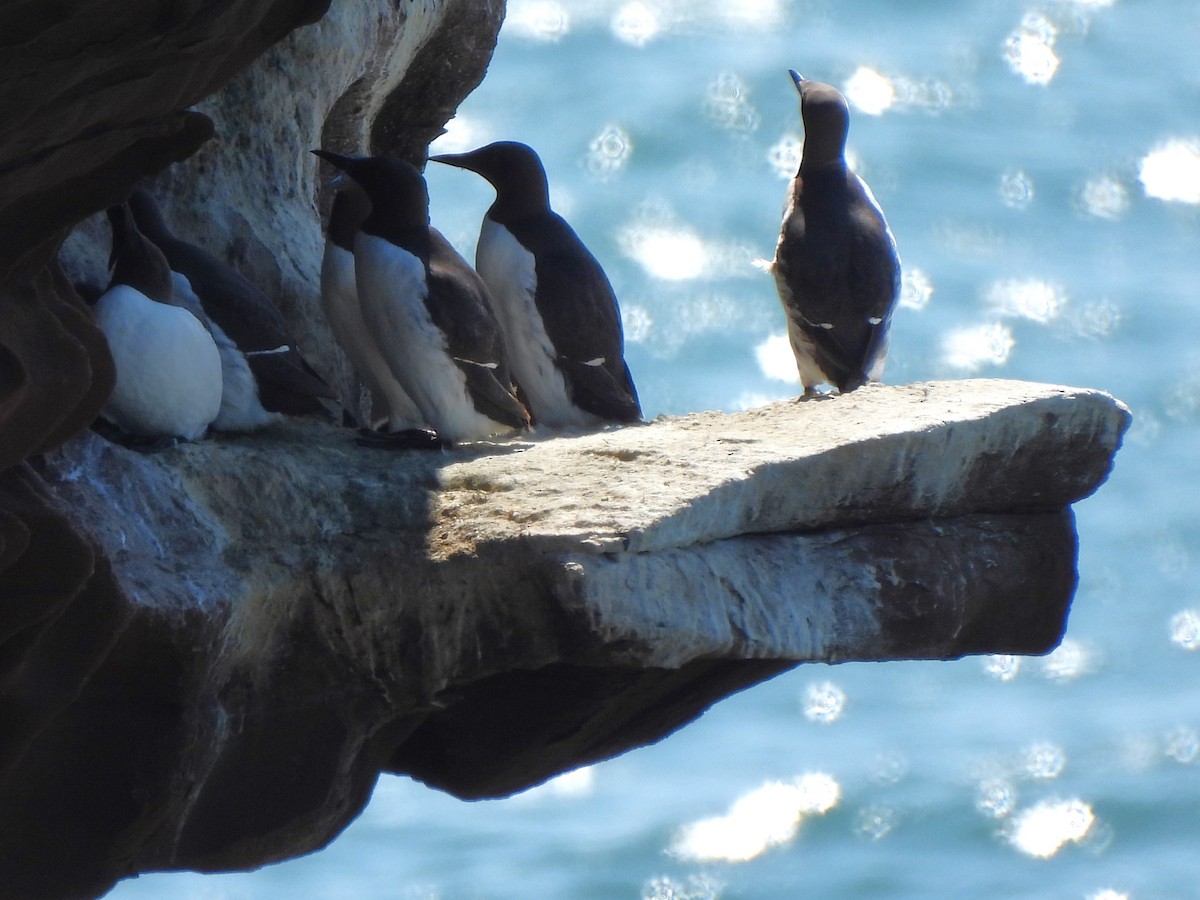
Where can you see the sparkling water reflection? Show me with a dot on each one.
(1183, 746)
(869, 91)
(972, 348)
(1026, 298)
(727, 105)
(784, 156)
(916, 290)
(695, 887)
(1104, 197)
(824, 702)
(764, 818)
(776, 360)
(609, 152)
(1029, 49)
(1044, 829)
(636, 23)
(1171, 171)
(1070, 660)
(1185, 629)
(996, 798)
(1003, 667)
(876, 822)
(539, 20)
(1044, 761)
(1016, 189)
(874, 93)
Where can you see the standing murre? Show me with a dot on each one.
(836, 266)
(339, 298)
(241, 408)
(560, 317)
(168, 384)
(286, 383)
(428, 311)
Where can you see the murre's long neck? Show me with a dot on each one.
(408, 235)
(135, 261)
(824, 148)
(826, 117)
(516, 201)
(149, 217)
(350, 208)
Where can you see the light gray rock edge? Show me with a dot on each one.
(301, 613)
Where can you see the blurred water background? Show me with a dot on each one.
(1039, 162)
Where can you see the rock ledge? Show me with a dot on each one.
(273, 620)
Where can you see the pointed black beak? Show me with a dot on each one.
(457, 160)
(798, 79)
(342, 162)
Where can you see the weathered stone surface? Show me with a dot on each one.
(370, 76)
(272, 620)
(97, 96)
(57, 370)
(99, 695)
(94, 96)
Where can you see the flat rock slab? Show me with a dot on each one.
(294, 613)
(878, 454)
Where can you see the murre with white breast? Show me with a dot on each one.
(168, 384)
(560, 316)
(427, 309)
(286, 382)
(390, 404)
(241, 409)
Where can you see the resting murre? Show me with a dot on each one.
(168, 368)
(339, 298)
(561, 321)
(428, 311)
(241, 408)
(836, 266)
(286, 383)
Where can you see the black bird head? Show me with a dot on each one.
(513, 169)
(826, 118)
(134, 260)
(397, 191)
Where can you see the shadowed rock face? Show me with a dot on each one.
(96, 97)
(371, 76)
(266, 623)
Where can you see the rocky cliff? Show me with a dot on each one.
(271, 621)
(370, 76)
(207, 656)
(218, 104)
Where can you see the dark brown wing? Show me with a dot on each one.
(581, 316)
(838, 261)
(459, 304)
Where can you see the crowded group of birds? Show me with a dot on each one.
(529, 337)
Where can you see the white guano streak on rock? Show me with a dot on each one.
(759, 597)
(747, 535)
(879, 453)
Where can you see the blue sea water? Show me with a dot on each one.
(1039, 162)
